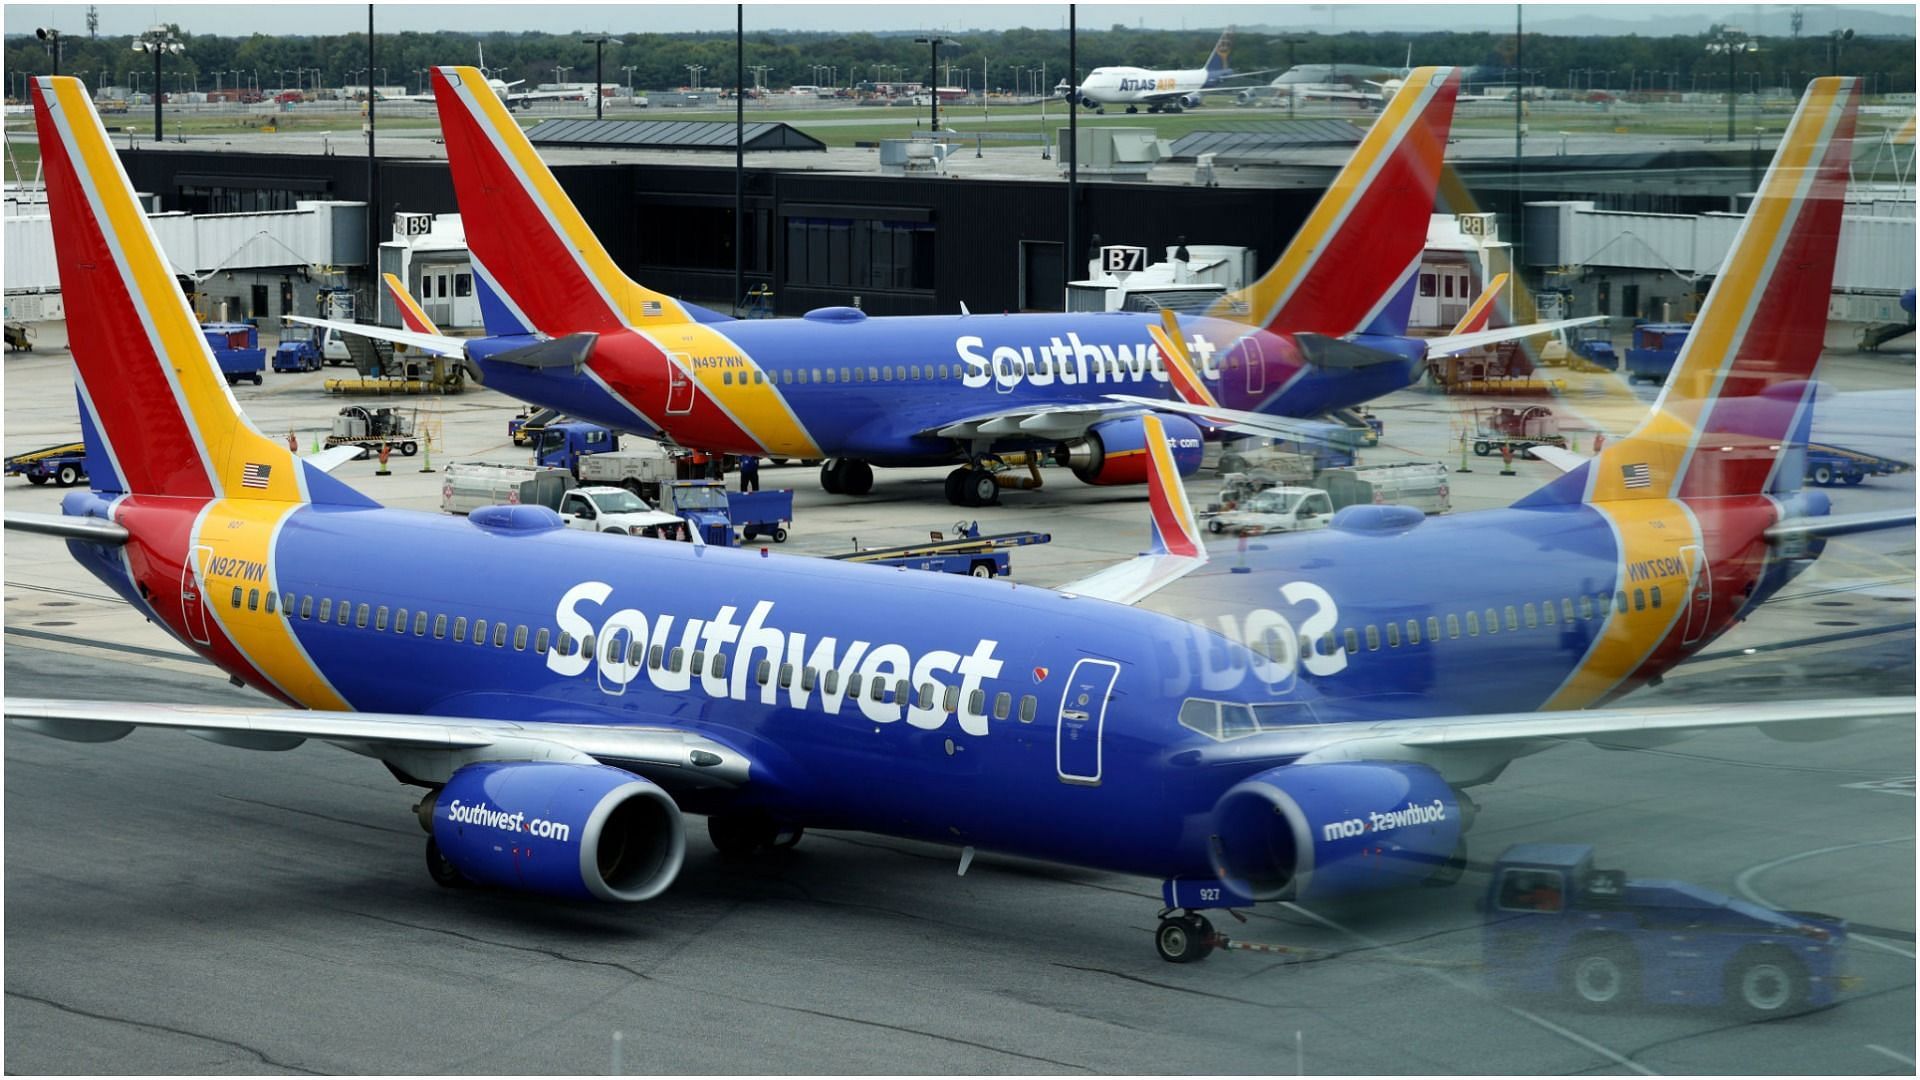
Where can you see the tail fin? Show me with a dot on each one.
(540, 266)
(1357, 252)
(1477, 316)
(1743, 383)
(411, 316)
(1219, 64)
(157, 410)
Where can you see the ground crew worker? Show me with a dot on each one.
(749, 473)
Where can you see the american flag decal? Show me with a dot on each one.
(1637, 475)
(650, 308)
(255, 475)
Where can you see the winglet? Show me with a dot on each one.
(1175, 530)
(411, 316)
(1477, 316)
(1182, 376)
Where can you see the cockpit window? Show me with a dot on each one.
(1201, 716)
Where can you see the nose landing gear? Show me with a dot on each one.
(1184, 938)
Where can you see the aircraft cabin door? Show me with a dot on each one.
(1699, 593)
(679, 386)
(193, 594)
(1083, 718)
(1256, 361)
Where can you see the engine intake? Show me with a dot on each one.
(559, 829)
(1303, 831)
(1114, 451)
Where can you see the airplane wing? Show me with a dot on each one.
(1177, 549)
(1040, 421)
(1841, 524)
(1453, 343)
(1242, 422)
(1470, 749)
(426, 747)
(523, 96)
(437, 344)
(333, 457)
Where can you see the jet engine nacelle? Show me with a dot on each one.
(1114, 451)
(559, 829)
(1192, 101)
(1304, 831)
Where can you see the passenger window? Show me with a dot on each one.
(1639, 600)
(460, 630)
(440, 628)
(950, 700)
(237, 590)
(853, 685)
(1586, 607)
(786, 676)
(655, 654)
(1327, 645)
(634, 651)
(360, 615)
(586, 645)
(1473, 624)
(1002, 705)
(1620, 602)
(830, 681)
(306, 607)
(1547, 613)
(271, 597)
(1028, 705)
(877, 690)
(977, 703)
(343, 612)
(540, 641)
(1566, 609)
(699, 663)
(726, 378)
(326, 607)
(786, 377)
(1413, 631)
(499, 635)
(943, 374)
(676, 659)
(1353, 640)
(1201, 716)
(1433, 628)
(1236, 721)
(380, 617)
(886, 374)
(519, 639)
(253, 599)
(419, 624)
(400, 621)
(479, 631)
(1393, 635)
(762, 672)
(1453, 626)
(1373, 639)
(719, 665)
(1493, 621)
(286, 603)
(900, 690)
(1533, 617)
(1655, 590)
(613, 647)
(1513, 618)
(923, 694)
(807, 678)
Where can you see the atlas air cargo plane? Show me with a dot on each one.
(1172, 91)
(563, 699)
(568, 330)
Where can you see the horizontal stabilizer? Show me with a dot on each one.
(1841, 524)
(1177, 549)
(1338, 354)
(437, 344)
(563, 352)
(1453, 343)
(333, 457)
(72, 528)
(1564, 460)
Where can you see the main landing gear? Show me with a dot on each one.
(1184, 938)
(972, 485)
(846, 476)
(737, 836)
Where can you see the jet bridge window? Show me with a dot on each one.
(1002, 705)
(1028, 706)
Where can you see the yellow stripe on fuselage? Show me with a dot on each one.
(1265, 295)
(230, 442)
(1648, 531)
(240, 534)
(626, 296)
(738, 384)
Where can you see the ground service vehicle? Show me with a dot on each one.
(965, 552)
(1556, 923)
(1276, 749)
(1521, 427)
(1422, 485)
(467, 486)
(65, 465)
(237, 348)
(642, 469)
(1830, 465)
(1279, 509)
(562, 443)
(371, 429)
(524, 427)
(761, 513)
(1655, 346)
(613, 510)
(298, 353)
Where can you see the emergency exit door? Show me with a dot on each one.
(1699, 593)
(1083, 719)
(679, 385)
(193, 594)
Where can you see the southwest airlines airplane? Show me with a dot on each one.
(1172, 91)
(1320, 331)
(562, 699)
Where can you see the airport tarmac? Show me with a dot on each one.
(173, 906)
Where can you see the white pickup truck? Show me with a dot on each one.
(1279, 509)
(614, 510)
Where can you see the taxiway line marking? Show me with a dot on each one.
(1744, 883)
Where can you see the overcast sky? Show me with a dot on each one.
(254, 16)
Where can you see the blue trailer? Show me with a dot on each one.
(757, 513)
(966, 552)
(1830, 465)
(1553, 922)
(1655, 347)
(237, 347)
(65, 465)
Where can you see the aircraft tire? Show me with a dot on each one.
(443, 872)
(956, 486)
(858, 477)
(1183, 939)
(981, 488)
(832, 476)
(741, 835)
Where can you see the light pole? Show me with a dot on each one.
(1291, 42)
(598, 44)
(560, 76)
(1732, 42)
(1836, 39)
(628, 68)
(933, 43)
(159, 41)
(693, 75)
(52, 38)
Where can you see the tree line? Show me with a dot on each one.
(1013, 59)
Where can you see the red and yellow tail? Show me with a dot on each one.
(1477, 316)
(411, 316)
(1743, 382)
(540, 267)
(1354, 254)
(165, 421)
